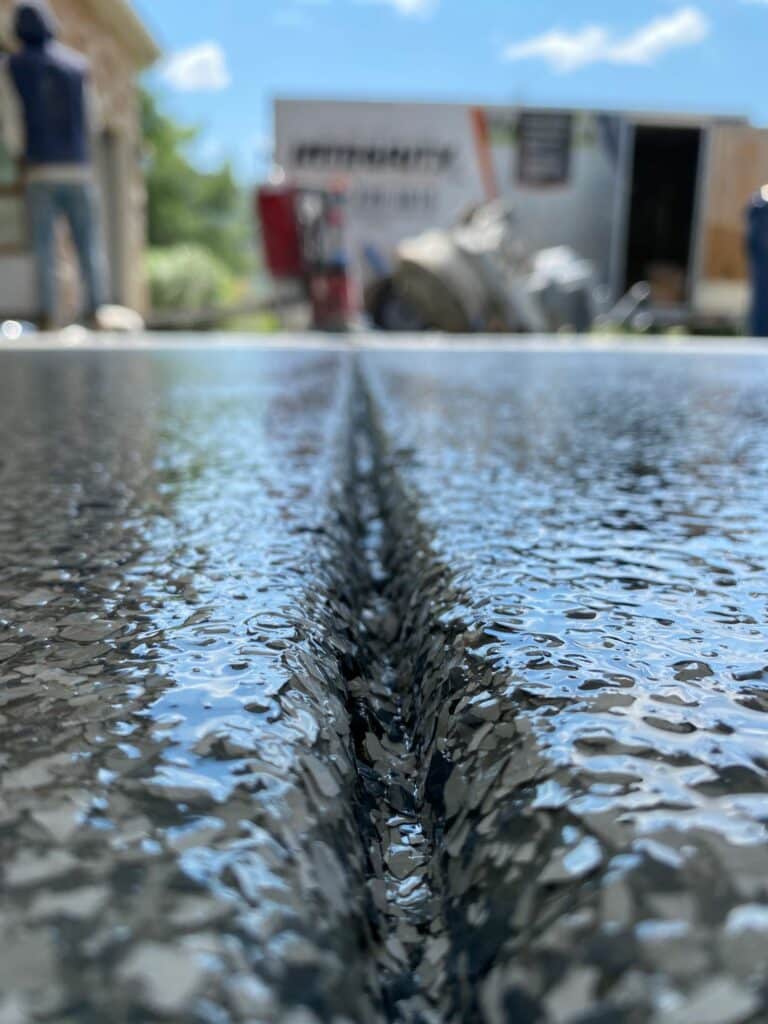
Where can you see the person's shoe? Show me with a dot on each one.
(119, 319)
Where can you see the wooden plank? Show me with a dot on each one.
(737, 167)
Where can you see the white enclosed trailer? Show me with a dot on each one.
(656, 197)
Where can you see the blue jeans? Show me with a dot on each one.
(48, 201)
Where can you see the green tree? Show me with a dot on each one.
(188, 206)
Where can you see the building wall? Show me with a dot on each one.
(122, 193)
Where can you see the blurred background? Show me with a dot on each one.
(415, 164)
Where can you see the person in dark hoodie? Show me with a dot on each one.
(52, 83)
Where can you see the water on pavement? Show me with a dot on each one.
(574, 626)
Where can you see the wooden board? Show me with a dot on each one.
(737, 166)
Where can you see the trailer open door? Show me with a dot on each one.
(737, 165)
(660, 234)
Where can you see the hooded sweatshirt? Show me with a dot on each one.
(52, 83)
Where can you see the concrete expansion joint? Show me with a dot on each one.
(435, 693)
(502, 882)
(399, 795)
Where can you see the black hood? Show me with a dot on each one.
(35, 23)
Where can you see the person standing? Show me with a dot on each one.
(757, 248)
(52, 84)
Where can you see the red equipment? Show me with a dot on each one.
(280, 231)
(303, 232)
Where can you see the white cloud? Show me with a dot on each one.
(568, 51)
(408, 8)
(411, 8)
(202, 68)
(687, 27)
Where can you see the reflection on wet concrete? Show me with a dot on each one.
(602, 849)
(176, 832)
(408, 686)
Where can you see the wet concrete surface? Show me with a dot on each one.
(178, 835)
(601, 754)
(408, 686)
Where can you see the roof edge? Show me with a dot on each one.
(120, 16)
(662, 116)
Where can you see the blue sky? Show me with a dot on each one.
(224, 61)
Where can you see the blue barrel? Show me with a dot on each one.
(757, 242)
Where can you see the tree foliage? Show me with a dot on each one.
(187, 277)
(187, 206)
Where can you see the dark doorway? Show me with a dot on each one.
(664, 178)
